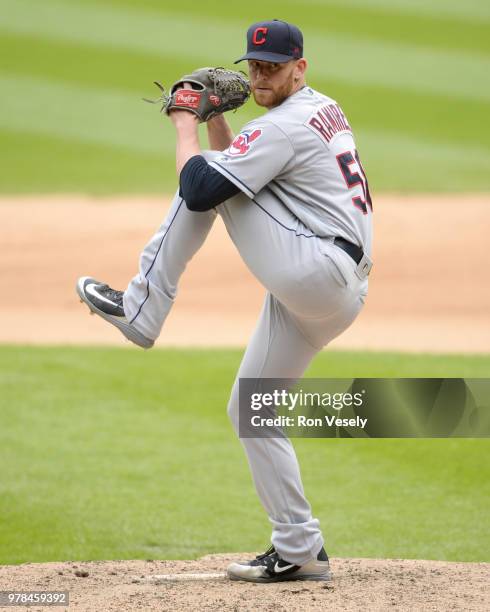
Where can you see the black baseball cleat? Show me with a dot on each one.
(269, 567)
(108, 304)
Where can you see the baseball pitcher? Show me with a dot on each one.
(294, 197)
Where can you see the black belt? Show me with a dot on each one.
(351, 249)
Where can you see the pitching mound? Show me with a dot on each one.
(367, 584)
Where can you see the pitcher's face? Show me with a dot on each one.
(272, 83)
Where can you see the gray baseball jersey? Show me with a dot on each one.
(303, 153)
(299, 165)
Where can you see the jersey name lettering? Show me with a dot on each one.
(327, 121)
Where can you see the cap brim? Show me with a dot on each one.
(265, 56)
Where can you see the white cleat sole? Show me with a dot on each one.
(237, 571)
(121, 323)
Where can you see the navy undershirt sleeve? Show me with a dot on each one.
(203, 187)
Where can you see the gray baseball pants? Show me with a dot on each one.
(314, 292)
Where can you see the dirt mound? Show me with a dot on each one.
(428, 289)
(358, 584)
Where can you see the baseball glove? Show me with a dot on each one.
(214, 91)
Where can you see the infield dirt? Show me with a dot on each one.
(429, 287)
(358, 584)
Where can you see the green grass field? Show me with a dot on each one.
(117, 453)
(412, 77)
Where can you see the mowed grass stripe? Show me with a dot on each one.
(98, 116)
(41, 163)
(372, 20)
(89, 66)
(475, 11)
(126, 28)
(424, 116)
(396, 162)
(365, 61)
(419, 115)
(400, 66)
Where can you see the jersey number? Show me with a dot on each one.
(345, 160)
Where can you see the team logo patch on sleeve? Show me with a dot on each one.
(242, 143)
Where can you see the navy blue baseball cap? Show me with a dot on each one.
(273, 41)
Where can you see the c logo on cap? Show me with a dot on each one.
(255, 38)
